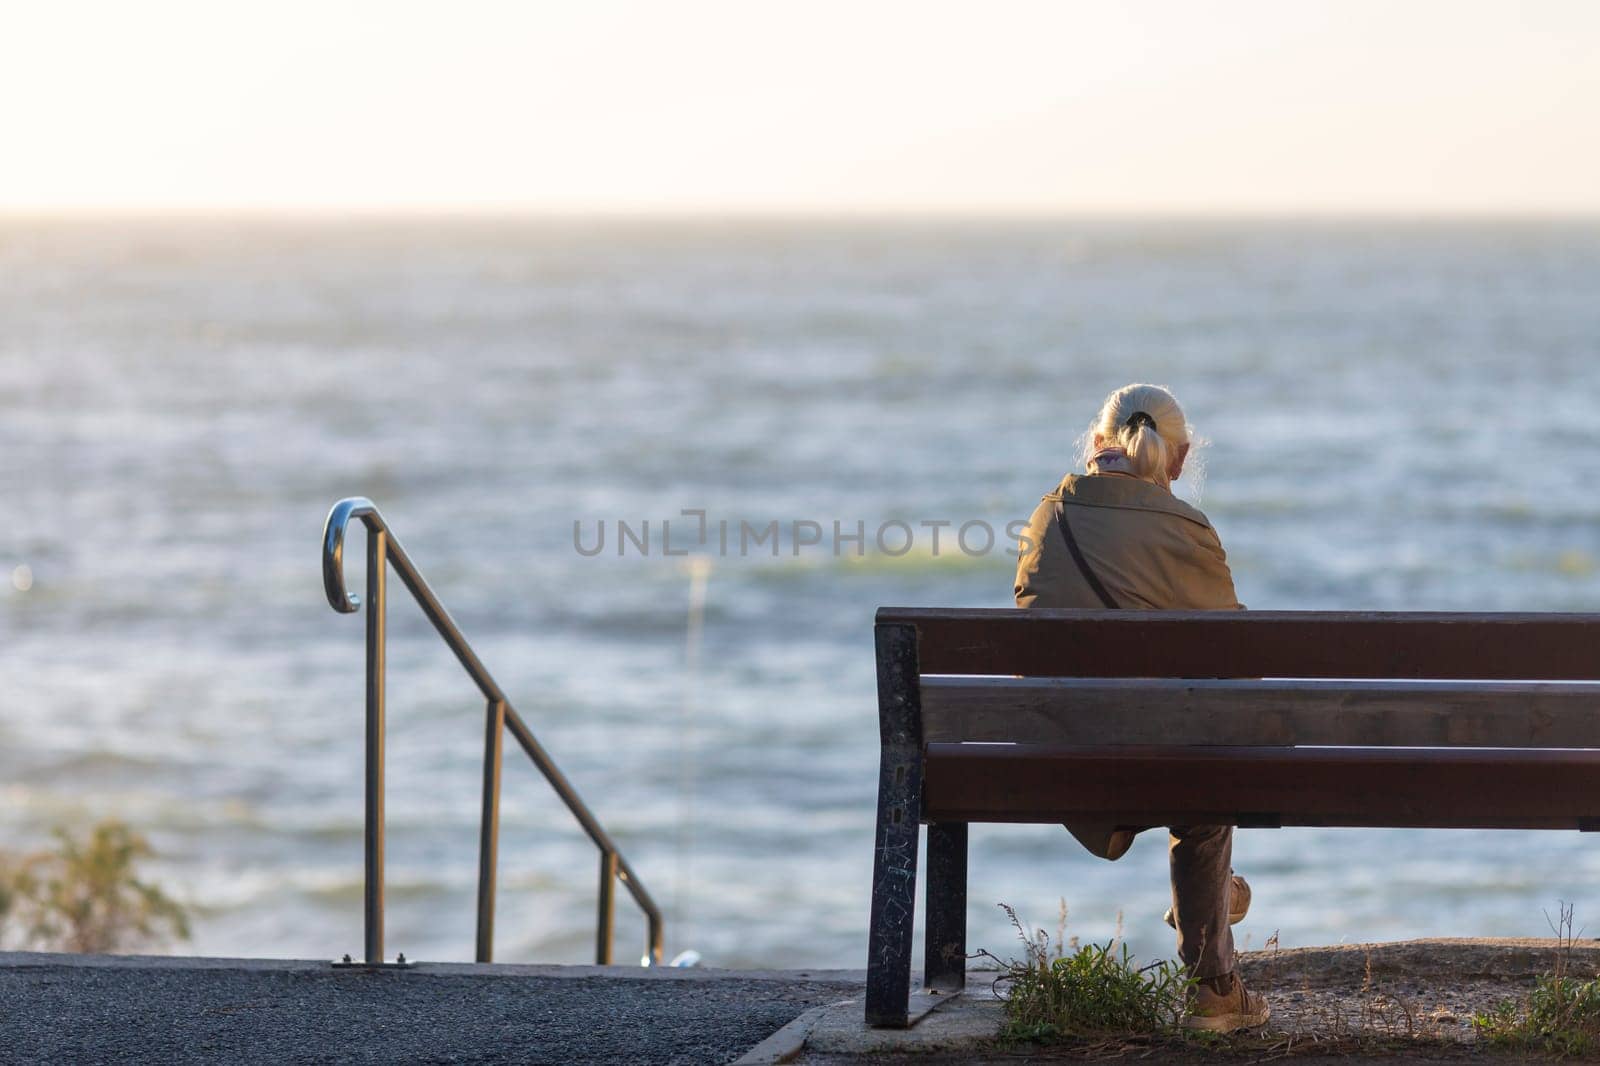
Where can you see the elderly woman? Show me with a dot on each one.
(1116, 537)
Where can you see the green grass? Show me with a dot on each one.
(1561, 1016)
(1062, 991)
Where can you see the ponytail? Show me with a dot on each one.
(1146, 422)
(1147, 452)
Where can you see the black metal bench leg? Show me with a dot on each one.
(894, 862)
(945, 954)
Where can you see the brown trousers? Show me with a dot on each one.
(1200, 858)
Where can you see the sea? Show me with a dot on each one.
(662, 472)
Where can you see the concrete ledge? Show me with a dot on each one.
(1441, 960)
(1348, 986)
(787, 1043)
(964, 1024)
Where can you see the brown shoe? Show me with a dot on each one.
(1238, 903)
(1106, 841)
(1222, 1005)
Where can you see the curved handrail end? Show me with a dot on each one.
(333, 550)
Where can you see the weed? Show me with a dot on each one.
(86, 895)
(1063, 990)
(1560, 1016)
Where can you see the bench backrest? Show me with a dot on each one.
(1070, 677)
(1258, 718)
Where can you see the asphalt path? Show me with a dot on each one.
(69, 1010)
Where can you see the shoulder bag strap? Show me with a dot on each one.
(1077, 557)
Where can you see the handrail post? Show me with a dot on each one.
(607, 916)
(489, 827)
(377, 571)
(654, 939)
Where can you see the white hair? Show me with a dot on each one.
(1150, 451)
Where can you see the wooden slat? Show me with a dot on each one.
(1263, 786)
(1063, 643)
(1158, 711)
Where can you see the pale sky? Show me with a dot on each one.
(740, 105)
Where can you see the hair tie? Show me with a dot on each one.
(1139, 418)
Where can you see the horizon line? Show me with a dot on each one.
(777, 213)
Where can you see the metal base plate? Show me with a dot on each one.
(925, 1001)
(399, 962)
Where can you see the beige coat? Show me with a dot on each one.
(1149, 549)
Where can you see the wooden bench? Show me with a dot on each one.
(1140, 717)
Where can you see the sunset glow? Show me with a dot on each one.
(719, 105)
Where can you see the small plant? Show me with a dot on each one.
(9, 885)
(1064, 990)
(85, 896)
(1560, 1016)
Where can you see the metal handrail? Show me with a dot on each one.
(382, 549)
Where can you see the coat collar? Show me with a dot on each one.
(1110, 490)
